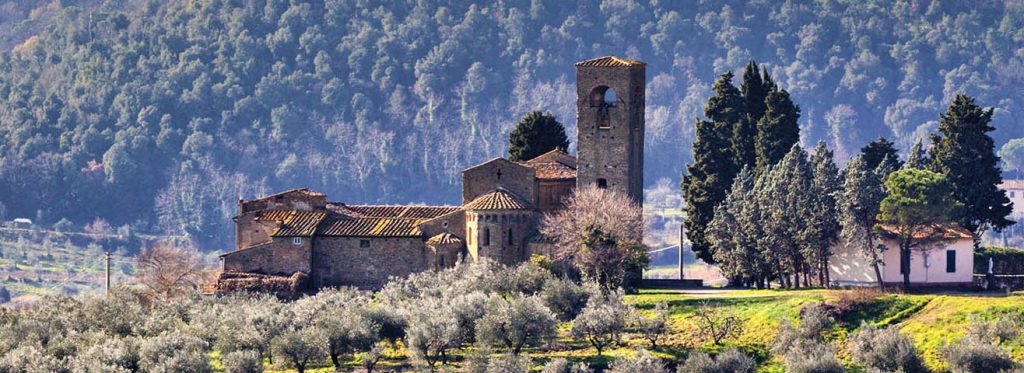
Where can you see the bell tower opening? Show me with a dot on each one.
(610, 124)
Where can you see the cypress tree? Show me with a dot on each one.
(537, 133)
(965, 153)
(755, 89)
(754, 92)
(714, 165)
(777, 130)
(877, 150)
(706, 183)
(823, 230)
(735, 231)
(917, 158)
(785, 197)
(858, 209)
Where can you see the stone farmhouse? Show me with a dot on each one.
(300, 233)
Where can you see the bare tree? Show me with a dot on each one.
(169, 271)
(715, 325)
(600, 232)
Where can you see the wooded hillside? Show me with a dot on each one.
(161, 114)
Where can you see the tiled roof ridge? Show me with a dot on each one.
(610, 61)
(498, 199)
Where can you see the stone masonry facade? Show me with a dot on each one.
(300, 233)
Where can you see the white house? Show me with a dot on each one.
(1015, 191)
(949, 262)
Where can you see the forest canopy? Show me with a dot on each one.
(162, 114)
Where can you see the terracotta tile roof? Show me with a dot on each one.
(305, 191)
(1012, 184)
(610, 61)
(392, 211)
(553, 171)
(556, 155)
(553, 165)
(443, 239)
(950, 231)
(370, 227)
(292, 223)
(497, 200)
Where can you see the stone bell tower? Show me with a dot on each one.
(610, 124)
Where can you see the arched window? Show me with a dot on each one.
(603, 96)
(510, 236)
(487, 237)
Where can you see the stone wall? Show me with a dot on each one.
(610, 138)
(280, 256)
(249, 232)
(489, 234)
(499, 173)
(343, 261)
(299, 199)
(453, 222)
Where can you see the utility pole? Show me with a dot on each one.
(682, 239)
(107, 288)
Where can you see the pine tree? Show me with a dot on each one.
(965, 153)
(537, 133)
(918, 207)
(917, 158)
(877, 150)
(823, 229)
(714, 164)
(777, 130)
(754, 91)
(858, 208)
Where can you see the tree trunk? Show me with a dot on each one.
(905, 267)
(334, 360)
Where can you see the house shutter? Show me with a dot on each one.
(950, 261)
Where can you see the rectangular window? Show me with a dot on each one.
(950, 261)
(296, 241)
(364, 243)
(1013, 194)
(602, 183)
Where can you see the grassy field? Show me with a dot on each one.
(932, 320)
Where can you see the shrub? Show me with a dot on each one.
(509, 364)
(814, 322)
(972, 355)
(729, 361)
(603, 320)
(526, 278)
(243, 361)
(561, 365)
(641, 362)
(809, 356)
(884, 350)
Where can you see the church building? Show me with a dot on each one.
(336, 244)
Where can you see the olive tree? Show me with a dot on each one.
(515, 323)
(602, 321)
